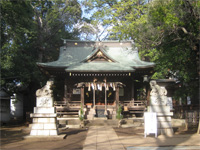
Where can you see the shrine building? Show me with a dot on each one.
(100, 77)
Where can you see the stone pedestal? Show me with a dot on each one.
(44, 116)
(164, 119)
(158, 104)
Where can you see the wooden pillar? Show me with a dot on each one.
(94, 98)
(132, 90)
(105, 113)
(82, 97)
(65, 89)
(117, 97)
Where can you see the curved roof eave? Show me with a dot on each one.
(144, 66)
(47, 65)
(68, 70)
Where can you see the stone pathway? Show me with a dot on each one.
(102, 137)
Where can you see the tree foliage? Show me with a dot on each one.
(166, 32)
(31, 31)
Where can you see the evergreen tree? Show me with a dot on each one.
(31, 31)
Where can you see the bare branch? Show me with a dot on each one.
(184, 30)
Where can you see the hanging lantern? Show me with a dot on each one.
(145, 78)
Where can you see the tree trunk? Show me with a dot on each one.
(198, 130)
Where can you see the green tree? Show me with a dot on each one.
(31, 31)
(177, 42)
(166, 32)
(53, 20)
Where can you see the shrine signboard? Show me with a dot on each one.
(150, 123)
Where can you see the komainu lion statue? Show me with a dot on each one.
(157, 90)
(46, 90)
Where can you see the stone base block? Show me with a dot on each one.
(44, 101)
(178, 122)
(164, 114)
(44, 124)
(164, 124)
(166, 131)
(164, 118)
(44, 110)
(158, 100)
(43, 132)
(41, 126)
(159, 108)
(49, 115)
(44, 120)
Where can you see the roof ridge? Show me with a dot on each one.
(99, 48)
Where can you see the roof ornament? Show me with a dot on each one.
(99, 54)
(64, 42)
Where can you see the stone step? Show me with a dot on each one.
(70, 116)
(67, 118)
(75, 121)
(90, 117)
(67, 113)
(100, 118)
(113, 123)
(73, 126)
(90, 113)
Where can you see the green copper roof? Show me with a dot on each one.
(69, 56)
(100, 66)
(74, 56)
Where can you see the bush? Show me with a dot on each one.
(119, 111)
(81, 114)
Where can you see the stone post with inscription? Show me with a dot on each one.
(44, 116)
(158, 104)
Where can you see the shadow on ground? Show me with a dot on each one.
(12, 137)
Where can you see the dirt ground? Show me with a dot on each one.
(133, 131)
(12, 137)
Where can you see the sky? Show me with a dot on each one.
(88, 15)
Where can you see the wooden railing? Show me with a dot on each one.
(67, 108)
(188, 112)
(134, 107)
